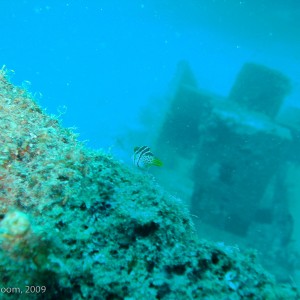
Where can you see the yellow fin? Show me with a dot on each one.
(156, 162)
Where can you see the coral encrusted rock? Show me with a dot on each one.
(77, 224)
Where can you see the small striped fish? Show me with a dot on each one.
(144, 158)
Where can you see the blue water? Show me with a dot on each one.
(107, 67)
(105, 60)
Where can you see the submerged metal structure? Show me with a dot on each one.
(239, 153)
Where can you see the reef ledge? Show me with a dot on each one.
(77, 224)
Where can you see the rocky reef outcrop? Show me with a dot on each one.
(77, 224)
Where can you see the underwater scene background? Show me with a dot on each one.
(212, 88)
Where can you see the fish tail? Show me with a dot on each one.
(156, 162)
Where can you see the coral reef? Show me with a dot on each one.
(76, 224)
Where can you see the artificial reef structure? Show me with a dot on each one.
(77, 224)
(234, 154)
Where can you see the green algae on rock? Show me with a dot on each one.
(90, 228)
